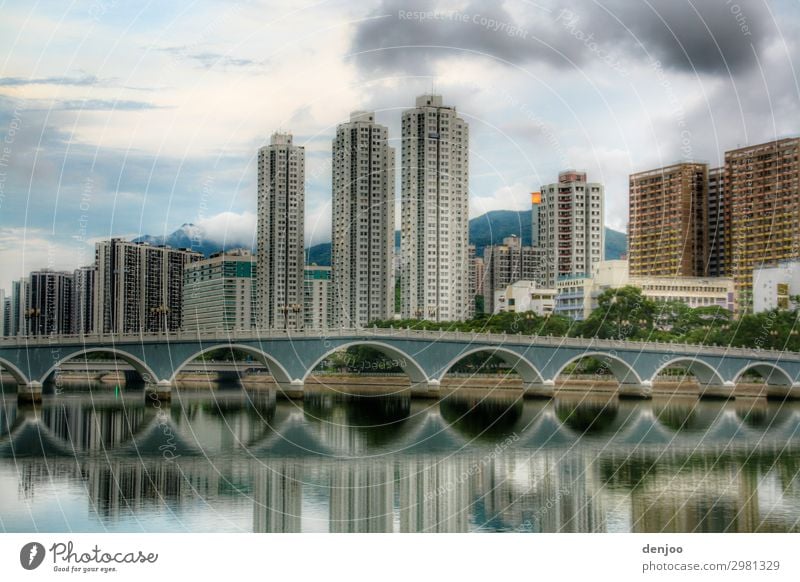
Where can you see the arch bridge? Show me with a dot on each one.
(425, 356)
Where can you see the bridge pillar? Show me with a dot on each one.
(643, 390)
(29, 393)
(784, 392)
(725, 390)
(425, 388)
(544, 389)
(293, 389)
(161, 391)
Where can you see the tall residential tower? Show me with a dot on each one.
(363, 222)
(280, 261)
(571, 226)
(435, 212)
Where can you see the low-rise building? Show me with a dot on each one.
(317, 297)
(219, 292)
(775, 284)
(525, 295)
(577, 296)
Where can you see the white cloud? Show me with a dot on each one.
(229, 227)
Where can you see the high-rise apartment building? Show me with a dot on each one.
(762, 186)
(83, 290)
(5, 313)
(668, 221)
(48, 308)
(571, 227)
(435, 212)
(719, 225)
(281, 231)
(363, 222)
(219, 292)
(508, 263)
(139, 287)
(6, 316)
(477, 272)
(317, 297)
(19, 301)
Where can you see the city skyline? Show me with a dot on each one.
(91, 134)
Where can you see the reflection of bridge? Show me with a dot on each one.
(424, 356)
(264, 429)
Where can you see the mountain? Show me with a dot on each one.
(493, 227)
(189, 236)
(487, 229)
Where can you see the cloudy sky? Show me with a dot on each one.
(122, 118)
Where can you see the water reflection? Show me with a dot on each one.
(478, 461)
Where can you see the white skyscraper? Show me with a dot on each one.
(571, 226)
(435, 212)
(280, 261)
(363, 222)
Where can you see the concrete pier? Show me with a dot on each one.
(725, 391)
(545, 389)
(642, 390)
(425, 389)
(161, 391)
(293, 389)
(30, 393)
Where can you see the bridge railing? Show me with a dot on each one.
(406, 333)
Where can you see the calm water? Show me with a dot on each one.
(229, 461)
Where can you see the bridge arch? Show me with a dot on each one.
(772, 373)
(276, 369)
(408, 364)
(518, 363)
(15, 372)
(622, 371)
(704, 371)
(140, 366)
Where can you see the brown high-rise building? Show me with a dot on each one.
(669, 221)
(762, 185)
(719, 225)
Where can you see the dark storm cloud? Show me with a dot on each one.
(402, 32)
(703, 35)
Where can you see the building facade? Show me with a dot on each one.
(776, 286)
(5, 313)
(577, 297)
(668, 222)
(219, 292)
(318, 297)
(435, 212)
(762, 184)
(523, 296)
(139, 287)
(48, 309)
(719, 225)
(83, 290)
(571, 226)
(281, 232)
(363, 222)
(508, 263)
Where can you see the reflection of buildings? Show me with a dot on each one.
(277, 497)
(434, 495)
(440, 477)
(697, 499)
(362, 497)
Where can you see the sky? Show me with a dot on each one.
(128, 118)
